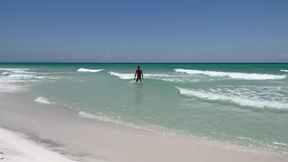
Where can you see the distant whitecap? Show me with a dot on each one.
(89, 70)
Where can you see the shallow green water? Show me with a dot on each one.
(242, 103)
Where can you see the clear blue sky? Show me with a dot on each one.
(144, 30)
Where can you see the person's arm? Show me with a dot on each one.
(135, 74)
(142, 75)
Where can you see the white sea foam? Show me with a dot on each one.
(93, 116)
(18, 79)
(16, 148)
(16, 70)
(279, 143)
(233, 75)
(5, 73)
(157, 76)
(10, 88)
(286, 71)
(89, 70)
(42, 100)
(11, 77)
(125, 76)
(236, 99)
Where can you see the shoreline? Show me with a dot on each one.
(16, 148)
(87, 140)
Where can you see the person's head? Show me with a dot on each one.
(138, 67)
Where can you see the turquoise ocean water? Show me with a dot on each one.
(245, 104)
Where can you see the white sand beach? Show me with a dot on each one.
(63, 133)
(16, 148)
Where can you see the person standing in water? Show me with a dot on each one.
(138, 74)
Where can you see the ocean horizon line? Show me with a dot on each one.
(83, 62)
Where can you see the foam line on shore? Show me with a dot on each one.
(121, 122)
(42, 100)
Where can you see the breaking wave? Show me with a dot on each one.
(159, 76)
(233, 75)
(19, 79)
(89, 70)
(125, 76)
(16, 70)
(286, 71)
(236, 99)
(5, 73)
